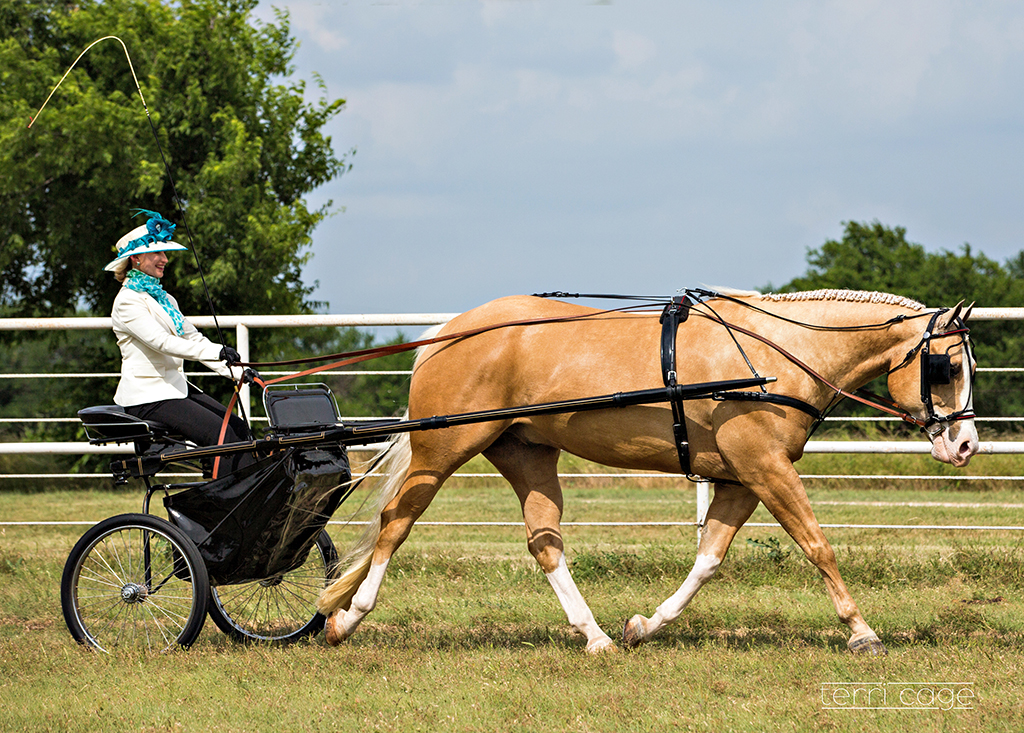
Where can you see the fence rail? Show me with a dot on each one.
(242, 325)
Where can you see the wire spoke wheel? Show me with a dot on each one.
(134, 581)
(280, 609)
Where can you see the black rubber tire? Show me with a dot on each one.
(112, 600)
(281, 609)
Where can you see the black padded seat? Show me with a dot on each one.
(111, 424)
(300, 408)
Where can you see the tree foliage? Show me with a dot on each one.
(876, 257)
(242, 143)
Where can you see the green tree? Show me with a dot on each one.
(243, 145)
(876, 257)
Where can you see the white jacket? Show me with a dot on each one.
(152, 353)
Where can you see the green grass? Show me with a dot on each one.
(468, 636)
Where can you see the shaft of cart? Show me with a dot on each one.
(148, 465)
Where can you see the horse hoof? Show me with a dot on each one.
(870, 645)
(602, 646)
(634, 633)
(331, 630)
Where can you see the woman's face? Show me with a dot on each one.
(151, 263)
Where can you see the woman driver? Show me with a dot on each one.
(155, 338)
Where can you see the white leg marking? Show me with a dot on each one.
(363, 601)
(704, 568)
(576, 609)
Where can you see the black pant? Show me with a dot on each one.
(199, 417)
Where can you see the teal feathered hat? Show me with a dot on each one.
(153, 236)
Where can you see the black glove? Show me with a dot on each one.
(250, 375)
(229, 355)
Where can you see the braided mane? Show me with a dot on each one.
(850, 296)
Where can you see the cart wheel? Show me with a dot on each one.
(280, 609)
(134, 581)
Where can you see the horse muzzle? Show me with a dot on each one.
(955, 443)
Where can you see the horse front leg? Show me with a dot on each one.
(730, 508)
(782, 492)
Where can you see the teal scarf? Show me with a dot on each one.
(140, 282)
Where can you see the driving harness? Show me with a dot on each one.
(675, 313)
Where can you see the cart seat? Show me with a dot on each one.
(111, 424)
(300, 408)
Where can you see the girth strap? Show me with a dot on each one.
(675, 313)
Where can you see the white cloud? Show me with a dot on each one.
(707, 134)
(536, 86)
(310, 20)
(633, 50)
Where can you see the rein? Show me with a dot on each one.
(354, 357)
(680, 306)
(865, 397)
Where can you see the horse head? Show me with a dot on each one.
(935, 384)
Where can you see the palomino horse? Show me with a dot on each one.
(843, 338)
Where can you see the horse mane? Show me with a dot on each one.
(849, 296)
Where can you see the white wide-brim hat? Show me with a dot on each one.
(153, 236)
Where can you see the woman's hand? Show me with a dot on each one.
(229, 355)
(250, 375)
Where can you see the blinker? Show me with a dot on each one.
(938, 369)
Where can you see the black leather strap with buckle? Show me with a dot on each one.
(675, 313)
(776, 399)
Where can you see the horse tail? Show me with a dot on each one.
(391, 467)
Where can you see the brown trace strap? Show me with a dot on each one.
(354, 357)
(224, 429)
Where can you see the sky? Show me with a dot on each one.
(642, 147)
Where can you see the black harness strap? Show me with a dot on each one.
(777, 399)
(675, 313)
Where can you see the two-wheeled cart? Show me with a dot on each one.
(250, 548)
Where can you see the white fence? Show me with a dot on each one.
(242, 325)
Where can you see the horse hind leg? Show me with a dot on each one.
(532, 470)
(354, 595)
(730, 508)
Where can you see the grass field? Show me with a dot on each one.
(468, 636)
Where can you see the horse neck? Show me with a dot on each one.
(850, 358)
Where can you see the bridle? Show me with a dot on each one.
(937, 369)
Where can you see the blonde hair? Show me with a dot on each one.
(122, 268)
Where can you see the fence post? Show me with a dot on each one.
(242, 336)
(703, 502)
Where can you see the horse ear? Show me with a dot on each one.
(967, 312)
(954, 314)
